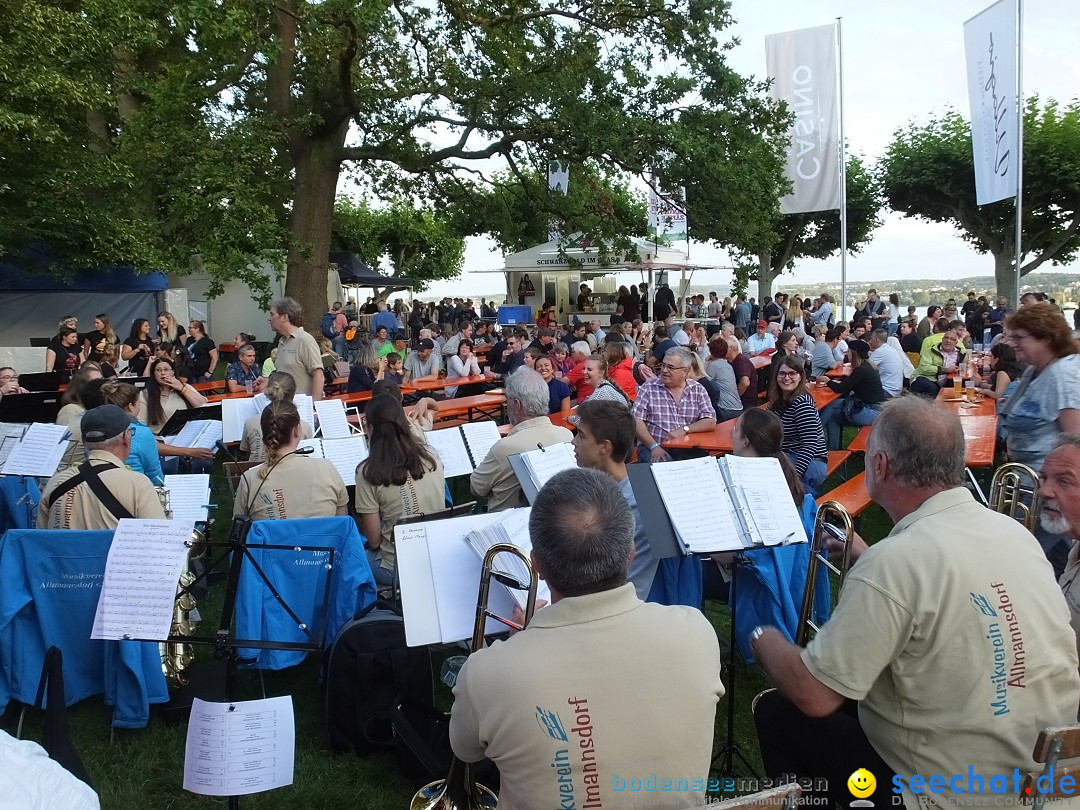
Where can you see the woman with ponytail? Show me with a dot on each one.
(280, 387)
(288, 485)
(401, 477)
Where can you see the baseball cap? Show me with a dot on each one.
(764, 324)
(860, 347)
(425, 344)
(399, 336)
(354, 323)
(103, 423)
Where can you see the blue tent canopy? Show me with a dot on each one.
(104, 279)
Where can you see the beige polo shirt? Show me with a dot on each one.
(251, 440)
(598, 689)
(953, 637)
(494, 477)
(79, 508)
(170, 404)
(424, 496)
(298, 355)
(297, 487)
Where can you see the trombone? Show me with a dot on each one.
(459, 790)
(819, 556)
(1012, 484)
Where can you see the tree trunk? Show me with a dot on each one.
(317, 162)
(766, 275)
(1005, 276)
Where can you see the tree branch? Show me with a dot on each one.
(1051, 251)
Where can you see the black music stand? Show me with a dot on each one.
(42, 406)
(38, 381)
(224, 643)
(728, 751)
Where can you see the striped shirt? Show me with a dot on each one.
(804, 439)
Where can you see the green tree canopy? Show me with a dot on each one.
(928, 172)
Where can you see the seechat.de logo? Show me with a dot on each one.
(862, 784)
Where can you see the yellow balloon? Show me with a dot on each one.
(861, 783)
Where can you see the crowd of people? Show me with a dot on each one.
(901, 679)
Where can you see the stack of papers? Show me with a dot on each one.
(510, 527)
(203, 433)
(37, 452)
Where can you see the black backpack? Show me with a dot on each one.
(368, 669)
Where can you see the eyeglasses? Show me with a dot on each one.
(7, 377)
(669, 367)
(787, 374)
(1017, 336)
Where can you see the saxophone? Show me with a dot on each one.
(177, 656)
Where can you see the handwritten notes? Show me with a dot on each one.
(480, 437)
(333, 423)
(141, 575)
(238, 748)
(38, 452)
(450, 445)
(189, 497)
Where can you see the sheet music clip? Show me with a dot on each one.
(232, 708)
(188, 543)
(541, 447)
(127, 636)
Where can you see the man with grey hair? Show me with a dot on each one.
(565, 707)
(1059, 493)
(98, 493)
(670, 406)
(949, 635)
(527, 408)
(298, 353)
(887, 360)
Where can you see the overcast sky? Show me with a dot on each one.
(903, 61)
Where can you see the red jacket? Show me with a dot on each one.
(575, 378)
(622, 375)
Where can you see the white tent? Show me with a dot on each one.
(580, 255)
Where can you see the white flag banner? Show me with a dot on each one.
(802, 66)
(558, 176)
(667, 211)
(990, 47)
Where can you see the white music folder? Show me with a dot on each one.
(440, 580)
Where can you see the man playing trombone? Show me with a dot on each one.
(603, 698)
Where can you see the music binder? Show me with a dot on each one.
(203, 433)
(511, 527)
(38, 451)
(714, 505)
(534, 468)
(176, 422)
(461, 449)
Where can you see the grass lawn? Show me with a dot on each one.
(144, 768)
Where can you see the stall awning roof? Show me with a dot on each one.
(578, 255)
(103, 279)
(354, 270)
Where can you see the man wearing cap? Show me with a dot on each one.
(422, 364)
(101, 491)
(761, 341)
(399, 344)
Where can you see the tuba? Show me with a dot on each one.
(175, 656)
(459, 791)
(1014, 491)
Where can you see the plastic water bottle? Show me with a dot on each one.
(450, 669)
(986, 338)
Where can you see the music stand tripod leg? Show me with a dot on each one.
(727, 752)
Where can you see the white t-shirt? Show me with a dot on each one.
(894, 313)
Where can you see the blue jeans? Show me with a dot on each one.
(842, 412)
(924, 387)
(892, 327)
(383, 576)
(815, 474)
(339, 345)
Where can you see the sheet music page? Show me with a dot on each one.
(205, 433)
(698, 504)
(444, 571)
(306, 406)
(512, 526)
(479, 437)
(314, 444)
(238, 748)
(450, 445)
(189, 497)
(545, 464)
(10, 433)
(345, 455)
(141, 575)
(235, 412)
(762, 492)
(333, 423)
(38, 452)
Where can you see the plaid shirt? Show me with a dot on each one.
(661, 414)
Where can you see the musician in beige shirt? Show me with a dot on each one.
(297, 353)
(601, 691)
(527, 399)
(289, 485)
(108, 442)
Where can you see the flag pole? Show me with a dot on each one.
(1019, 141)
(843, 173)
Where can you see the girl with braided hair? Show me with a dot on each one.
(280, 387)
(401, 477)
(288, 485)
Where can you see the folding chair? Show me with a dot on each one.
(1053, 744)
